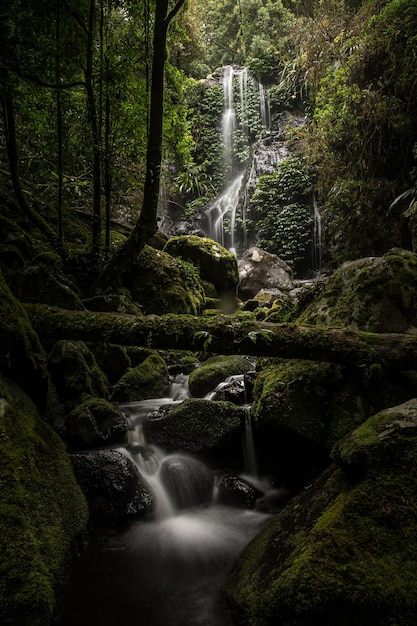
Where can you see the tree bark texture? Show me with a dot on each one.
(225, 334)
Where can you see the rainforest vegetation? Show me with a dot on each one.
(76, 112)
(110, 154)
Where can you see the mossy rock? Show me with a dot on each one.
(376, 294)
(45, 284)
(74, 372)
(291, 415)
(95, 422)
(216, 264)
(163, 284)
(22, 358)
(43, 514)
(302, 408)
(112, 359)
(343, 551)
(214, 371)
(150, 379)
(208, 429)
(381, 439)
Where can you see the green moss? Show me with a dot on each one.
(216, 264)
(163, 284)
(341, 553)
(147, 380)
(214, 371)
(42, 512)
(74, 372)
(22, 357)
(373, 294)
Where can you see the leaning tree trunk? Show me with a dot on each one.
(224, 334)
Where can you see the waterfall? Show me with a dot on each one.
(239, 87)
(317, 236)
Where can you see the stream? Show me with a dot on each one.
(168, 570)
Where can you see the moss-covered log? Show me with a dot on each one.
(228, 334)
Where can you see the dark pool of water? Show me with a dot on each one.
(160, 573)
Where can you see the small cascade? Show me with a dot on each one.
(249, 451)
(222, 215)
(317, 236)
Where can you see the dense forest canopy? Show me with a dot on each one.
(76, 107)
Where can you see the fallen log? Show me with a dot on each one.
(228, 334)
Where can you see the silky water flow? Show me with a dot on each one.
(169, 570)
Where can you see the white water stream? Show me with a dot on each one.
(167, 571)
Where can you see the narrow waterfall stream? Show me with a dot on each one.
(168, 570)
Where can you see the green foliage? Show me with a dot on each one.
(283, 212)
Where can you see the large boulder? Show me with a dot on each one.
(377, 294)
(343, 551)
(22, 358)
(259, 269)
(215, 370)
(216, 264)
(162, 284)
(211, 430)
(95, 422)
(43, 514)
(149, 379)
(114, 488)
(302, 408)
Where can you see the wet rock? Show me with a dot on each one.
(237, 492)
(214, 371)
(113, 486)
(259, 269)
(188, 481)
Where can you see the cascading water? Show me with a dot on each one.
(221, 214)
(168, 570)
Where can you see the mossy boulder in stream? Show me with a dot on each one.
(343, 551)
(214, 371)
(376, 294)
(210, 430)
(43, 514)
(163, 284)
(95, 422)
(149, 379)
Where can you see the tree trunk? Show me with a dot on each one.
(146, 226)
(229, 335)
